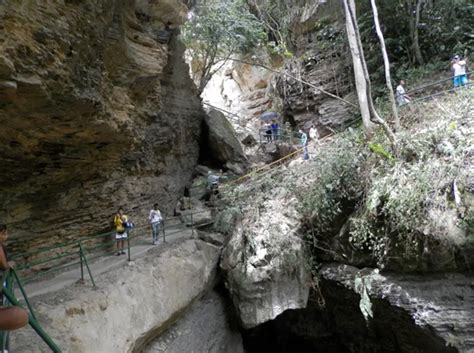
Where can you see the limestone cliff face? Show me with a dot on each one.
(322, 59)
(97, 110)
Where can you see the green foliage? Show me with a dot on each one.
(398, 202)
(380, 150)
(216, 30)
(445, 29)
(339, 175)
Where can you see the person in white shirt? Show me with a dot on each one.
(459, 71)
(401, 96)
(313, 133)
(155, 219)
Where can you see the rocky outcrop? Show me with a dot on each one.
(206, 327)
(219, 140)
(265, 262)
(244, 90)
(132, 305)
(320, 59)
(440, 305)
(96, 113)
(333, 321)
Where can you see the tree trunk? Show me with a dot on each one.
(414, 19)
(387, 66)
(416, 42)
(361, 85)
(374, 116)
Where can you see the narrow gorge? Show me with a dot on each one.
(366, 246)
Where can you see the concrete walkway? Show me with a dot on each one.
(103, 264)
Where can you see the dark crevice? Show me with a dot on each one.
(339, 327)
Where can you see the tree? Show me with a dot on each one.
(361, 73)
(216, 30)
(386, 65)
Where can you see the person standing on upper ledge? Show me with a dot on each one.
(155, 219)
(459, 70)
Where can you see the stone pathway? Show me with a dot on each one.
(103, 264)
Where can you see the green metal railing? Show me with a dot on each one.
(9, 279)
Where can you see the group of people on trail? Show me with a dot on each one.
(459, 74)
(313, 136)
(122, 226)
(272, 131)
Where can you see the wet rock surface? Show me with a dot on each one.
(208, 326)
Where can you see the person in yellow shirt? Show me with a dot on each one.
(120, 220)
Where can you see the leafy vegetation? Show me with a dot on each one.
(398, 202)
(216, 30)
(444, 29)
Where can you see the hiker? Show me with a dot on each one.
(11, 317)
(275, 130)
(401, 96)
(304, 143)
(313, 133)
(459, 71)
(268, 133)
(155, 219)
(120, 224)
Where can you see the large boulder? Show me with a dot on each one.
(222, 143)
(265, 261)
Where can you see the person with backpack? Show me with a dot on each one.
(121, 225)
(155, 219)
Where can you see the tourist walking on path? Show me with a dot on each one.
(401, 96)
(275, 130)
(313, 133)
(304, 143)
(459, 71)
(155, 219)
(12, 317)
(120, 224)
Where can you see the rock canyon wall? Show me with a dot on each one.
(97, 111)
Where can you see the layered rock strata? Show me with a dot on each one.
(97, 111)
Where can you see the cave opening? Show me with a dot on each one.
(207, 153)
(339, 327)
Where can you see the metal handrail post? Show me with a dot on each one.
(33, 322)
(80, 258)
(164, 231)
(23, 293)
(128, 246)
(84, 259)
(192, 218)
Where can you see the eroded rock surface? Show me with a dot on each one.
(221, 142)
(265, 261)
(131, 305)
(442, 304)
(96, 112)
(208, 326)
